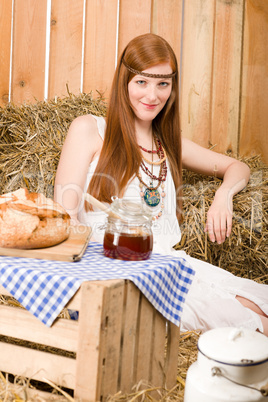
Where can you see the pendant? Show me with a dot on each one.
(151, 197)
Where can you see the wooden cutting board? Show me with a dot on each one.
(71, 249)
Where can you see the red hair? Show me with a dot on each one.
(120, 156)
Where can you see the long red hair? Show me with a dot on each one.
(120, 156)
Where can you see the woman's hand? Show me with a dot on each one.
(219, 216)
(235, 175)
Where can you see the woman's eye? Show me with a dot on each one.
(164, 84)
(140, 82)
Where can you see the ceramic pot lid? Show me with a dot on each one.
(234, 346)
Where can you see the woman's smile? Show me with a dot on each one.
(149, 106)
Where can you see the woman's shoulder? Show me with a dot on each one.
(92, 125)
(85, 122)
(86, 127)
(84, 134)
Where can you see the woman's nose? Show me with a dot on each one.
(152, 93)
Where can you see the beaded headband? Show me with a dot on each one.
(136, 72)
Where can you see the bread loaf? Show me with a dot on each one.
(30, 220)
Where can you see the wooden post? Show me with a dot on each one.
(5, 48)
(196, 80)
(254, 117)
(100, 45)
(225, 104)
(65, 47)
(28, 62)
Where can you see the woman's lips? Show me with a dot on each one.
(148, 106)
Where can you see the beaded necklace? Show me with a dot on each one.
(160, 151)
(150, 194)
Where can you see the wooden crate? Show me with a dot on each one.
(118, 340)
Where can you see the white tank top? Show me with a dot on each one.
(166, 230)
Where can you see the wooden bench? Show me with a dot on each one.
(118, 340)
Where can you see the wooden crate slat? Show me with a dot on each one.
(88, 341)
(172, 351)
(92, 337)
(110, 348)
(130, 336)
(158, 348)
(28, 67)
(37, 365)
(145, 339)
(63, 334)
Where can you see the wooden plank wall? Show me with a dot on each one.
(221, 45)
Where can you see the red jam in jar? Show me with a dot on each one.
(128, 234)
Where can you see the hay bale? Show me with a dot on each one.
(31, 137)
(245, 253)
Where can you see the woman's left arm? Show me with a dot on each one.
(235, 175)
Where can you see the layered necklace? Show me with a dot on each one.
(150, 193)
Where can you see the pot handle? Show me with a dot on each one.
(217, 371)
(264, 390)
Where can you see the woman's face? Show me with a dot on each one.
(149, 95)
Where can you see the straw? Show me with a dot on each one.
(31, 138)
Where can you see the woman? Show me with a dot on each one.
(138, 153)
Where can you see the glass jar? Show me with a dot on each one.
(128, 232)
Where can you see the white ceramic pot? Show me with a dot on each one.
(232, 365)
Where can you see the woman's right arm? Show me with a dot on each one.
(81, 146)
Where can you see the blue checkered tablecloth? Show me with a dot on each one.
(44, 287)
